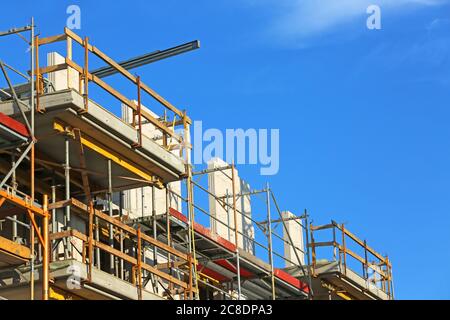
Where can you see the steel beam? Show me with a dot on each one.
(148, 58)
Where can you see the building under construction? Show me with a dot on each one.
(98, 205)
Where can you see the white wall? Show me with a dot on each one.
(295, 229)
(138, 202)
(220, 184)
(62, 79)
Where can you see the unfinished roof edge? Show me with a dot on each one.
(171, 167)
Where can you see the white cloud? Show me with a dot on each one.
(305, 18)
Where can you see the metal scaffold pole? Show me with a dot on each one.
(269, 224)
(155, 236)
(238, 269)
(32, 79)
(193, 276)
(110, 212)
(32, 261)
(193, 267)
(169, 241)
(54, 226)
(45, 251)
(311, 293)
(286, 230)
(121, 237)
(67, 222)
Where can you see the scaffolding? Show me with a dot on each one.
(78, 172)
(212, 249)
(354, 258)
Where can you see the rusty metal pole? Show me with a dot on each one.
(154, 225)
(110, 212)
(155, 236)
(91, 240)
(14, 186)
(344, 248)
(366, 262)
(32, 261)
(169, 240)
(139, 111)
(45, 250)
(313, 249)
(238, 269)
(306, 227)
(191, 210)
(37, 75)
(54, 226)
(32, 104)
(67, 216)
(86, 74)
(32, 172)
(121, 237)
(269, 225)
(191, 235)
(139, 263)
(34, 47)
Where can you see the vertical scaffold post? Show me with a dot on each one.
(45, 250)
(344, 249)
(69, 56)
(121, 236)
(14, 187)
(190, 227)
(313, 249)
(366, 262)
(269, 224)
(139, 113)
(33, 53)
(37, 74)
(54, 226)
(310, 271)
(238, 269)
(169, 241)
(32, 254)
(191, 238)
(386, 276)
(91, 240)
(86, 73)
(67, 218)
(139, 263)
(110, 211)
(191, 213)
(155, 236)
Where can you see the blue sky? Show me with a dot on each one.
(363, 114)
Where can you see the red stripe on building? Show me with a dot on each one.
(205, 231)
(286, 277)
(280, 274)
(14, 125)
(231, 267)
(211, 273)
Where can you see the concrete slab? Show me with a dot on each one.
(103, 286)
(350, 281)
(106, 129)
